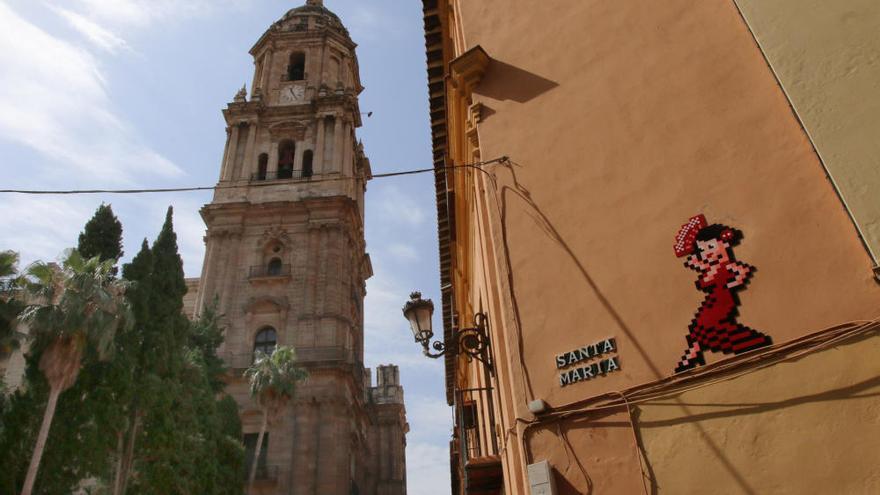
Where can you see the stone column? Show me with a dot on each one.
(347, 148)
(248, 166)
(258, 72)
(225, 153)
(298, 157)
(347, 160)
(205, 280)
(318, 159)
(337, 145)
(272, 169)
(233, 150)
(263, 70)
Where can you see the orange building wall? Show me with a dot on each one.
(623, 119)
(617, 140)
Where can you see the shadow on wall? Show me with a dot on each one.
(506, 82)
(564, 487)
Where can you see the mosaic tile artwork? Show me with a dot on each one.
(708, 249)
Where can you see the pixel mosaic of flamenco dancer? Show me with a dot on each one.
(709, 250)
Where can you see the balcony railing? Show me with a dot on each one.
(283, 175)
(266, 271)
(239, 361)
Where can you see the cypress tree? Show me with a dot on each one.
(152, 420)
(102, 236)
(168, 325)
(187, 442)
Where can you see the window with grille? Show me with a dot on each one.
(265, 341)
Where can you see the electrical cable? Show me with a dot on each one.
(475, 165)
(699, 378)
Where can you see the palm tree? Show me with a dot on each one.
(273, 379)
(70, 307)
(9, 306)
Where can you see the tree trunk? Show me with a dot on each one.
(129, 454)
(257, 449)
(48, 414)
(120, 453)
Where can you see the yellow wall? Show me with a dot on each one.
(806, 426)
(827, 57)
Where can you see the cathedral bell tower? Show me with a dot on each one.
(285, 257)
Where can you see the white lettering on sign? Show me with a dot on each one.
(589, 372)
(582, 354)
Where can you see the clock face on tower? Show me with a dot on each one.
(293, 94)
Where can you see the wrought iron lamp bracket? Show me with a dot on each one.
(473, 342)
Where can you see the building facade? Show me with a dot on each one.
(286, 261)
(596, 160)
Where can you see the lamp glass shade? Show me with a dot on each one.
(418, 312)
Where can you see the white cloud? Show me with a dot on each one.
(143, 13)
(53, 100)
(95, 33)
(41, 227)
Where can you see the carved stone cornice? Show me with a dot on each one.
(280, 303)
(468, 68)
(289, 130)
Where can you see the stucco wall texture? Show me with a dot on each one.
(793, 428)
(827, 58)
(618, 141)
(624, 119)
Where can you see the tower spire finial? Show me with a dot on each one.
(319, 3)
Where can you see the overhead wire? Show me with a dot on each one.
(258, 183)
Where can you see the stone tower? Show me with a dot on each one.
(285, 257)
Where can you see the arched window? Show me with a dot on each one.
(265, 341)
(262, 166)
(286, 155)
(308, 156)
(296, 70)
(274, 267)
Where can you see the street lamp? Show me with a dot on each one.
(474, 342)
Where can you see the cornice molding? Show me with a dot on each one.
(467, 69)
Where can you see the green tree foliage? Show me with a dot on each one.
(9, 306)
(71, 309)
(91, 416)
(160, 422)
(273, 378)
(102, 236)
(181, 441)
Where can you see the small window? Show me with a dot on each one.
(296, 71)
(286, 156)
(469, 415)
(250, 446)
(265, 341)
(274, 268)
(308, 156)
(262, 166)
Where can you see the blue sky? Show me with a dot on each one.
(128, 93)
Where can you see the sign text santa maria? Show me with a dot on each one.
(580, 357)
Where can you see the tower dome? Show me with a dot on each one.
(311, 16)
